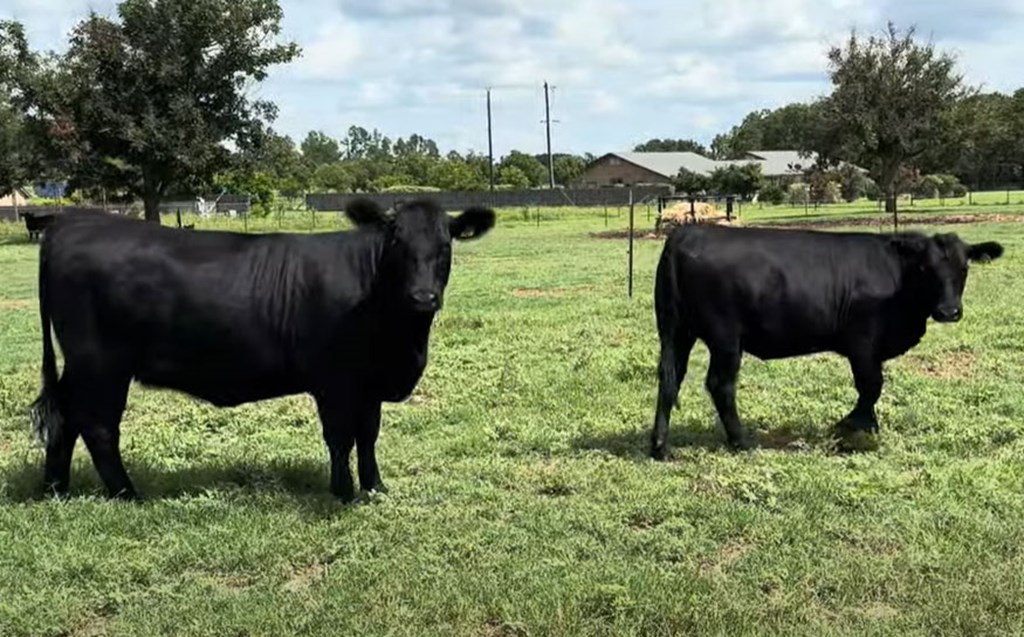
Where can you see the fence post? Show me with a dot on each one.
(630, 244)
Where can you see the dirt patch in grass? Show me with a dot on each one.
(305, 578)
(867, 221)
(878, 610)
(730, 553)
(647, 235)
(16, 304)
(500, 628)
(886, 220)
(947, 366)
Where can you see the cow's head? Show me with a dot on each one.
(418, 236)
(938, 268)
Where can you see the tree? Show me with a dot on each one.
(786, 128)
(17, 148)
(319, 149)
(737, 179)
(691, 183)
(457, 174)
(568, 168)
(146, 103)
(535, 172)
(891, 99)
(513, 176)
(671, 146)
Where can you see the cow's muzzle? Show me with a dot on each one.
(425, 301)
(948, 314)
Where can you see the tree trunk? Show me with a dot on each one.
(151, 201)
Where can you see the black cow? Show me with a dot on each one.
(782, 293)
(234, 318)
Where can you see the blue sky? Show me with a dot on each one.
(623, 70)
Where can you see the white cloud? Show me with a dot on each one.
(625, 70)
(332, 52)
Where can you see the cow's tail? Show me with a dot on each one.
(47, 419)
(669, 323)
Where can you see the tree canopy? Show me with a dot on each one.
(892, 101)
(149, 102)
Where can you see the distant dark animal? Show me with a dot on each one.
(234, 318)
(783, 293)
(37, 222)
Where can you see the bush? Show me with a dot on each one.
(797, 194)
(829, 192)
(410, 188)
(772, 193)
(871, 190)
(928, 187)
(958, 190)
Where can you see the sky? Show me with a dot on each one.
(622, 71)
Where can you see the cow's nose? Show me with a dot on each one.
(949, 315)
(425, 299)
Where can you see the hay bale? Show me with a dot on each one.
(679, 215)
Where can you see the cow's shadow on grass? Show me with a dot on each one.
(302, 483)
(709, 436)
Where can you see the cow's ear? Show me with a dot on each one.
(911, 247)
(984, 252)
(475, 222)
(365, 212)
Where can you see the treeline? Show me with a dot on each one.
(368, 161)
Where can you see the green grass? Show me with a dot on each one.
(522, 502)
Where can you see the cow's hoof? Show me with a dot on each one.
(660, 453)
(379, 488)
(858, 440)
(126, 495)
(744, 443)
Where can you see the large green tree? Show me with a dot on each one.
(319, 148)
(891, 102)
(148, 102)
(20, 159)
(785, 128)
(671, 146)
(535, 172)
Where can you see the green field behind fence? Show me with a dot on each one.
(522, 502)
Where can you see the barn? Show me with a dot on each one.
(635, 168)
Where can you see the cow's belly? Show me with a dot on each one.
(221, 378)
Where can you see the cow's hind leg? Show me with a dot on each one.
(95, 406)
(672, 367)
(60, 444)
(721, 384)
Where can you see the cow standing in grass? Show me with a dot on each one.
(234, 318)
(783, 293)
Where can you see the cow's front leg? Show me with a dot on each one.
(340, 439)
(867, 376)
(367, 426)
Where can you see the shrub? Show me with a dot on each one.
(797, 194)
(772, 193)
(871, 190)
(958, 190)
(928, 187)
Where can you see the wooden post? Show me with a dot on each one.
(631, 244)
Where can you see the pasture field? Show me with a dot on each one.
(521, 499)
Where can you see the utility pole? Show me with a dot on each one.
(490, 138)
(547, 123)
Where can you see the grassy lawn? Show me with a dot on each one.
(522, 502)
